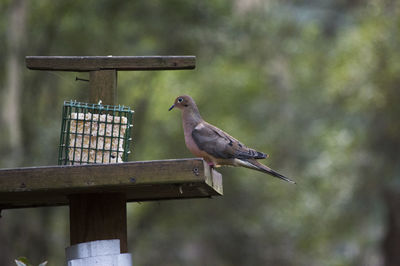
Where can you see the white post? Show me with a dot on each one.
(97, 253)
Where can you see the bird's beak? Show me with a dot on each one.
(172, 107)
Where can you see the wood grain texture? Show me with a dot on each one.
(139, 181)
(98, 217)
(103, 86)
(92, 63)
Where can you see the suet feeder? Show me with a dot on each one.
(94, 133)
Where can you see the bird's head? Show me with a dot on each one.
(183, 102)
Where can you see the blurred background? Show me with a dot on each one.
(313, 83)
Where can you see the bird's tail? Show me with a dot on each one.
(256, 165)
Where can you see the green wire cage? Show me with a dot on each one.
(94, 133)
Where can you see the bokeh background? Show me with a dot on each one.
(313, 83)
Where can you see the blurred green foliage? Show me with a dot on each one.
(312, 83)
(22, 261)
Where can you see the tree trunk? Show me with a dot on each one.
(391, 245)
(13, 84)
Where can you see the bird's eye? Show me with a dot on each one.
(180, 100)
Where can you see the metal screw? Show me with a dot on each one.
(196, 171)
(80, 79)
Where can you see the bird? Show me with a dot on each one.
(214, 145)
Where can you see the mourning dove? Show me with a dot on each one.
(215, 146)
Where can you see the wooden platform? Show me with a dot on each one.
(140, 181)
(96, 63)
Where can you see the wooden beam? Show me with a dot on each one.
(139, 181)
(92, 63)
(98, 217)
(103, 86)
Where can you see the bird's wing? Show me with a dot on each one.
(219, 144)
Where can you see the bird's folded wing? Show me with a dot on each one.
(219, 144)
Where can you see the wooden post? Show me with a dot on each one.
(103, 86)
(99, 216)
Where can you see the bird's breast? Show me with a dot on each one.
(191, 145)
(193, 148)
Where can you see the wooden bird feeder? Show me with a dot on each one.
(97, 193)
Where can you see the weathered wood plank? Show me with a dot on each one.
(92, 175)
(103, 86)
(92, 63)
(140, 181)
(98, 217)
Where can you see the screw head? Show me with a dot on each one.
(196, 171)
